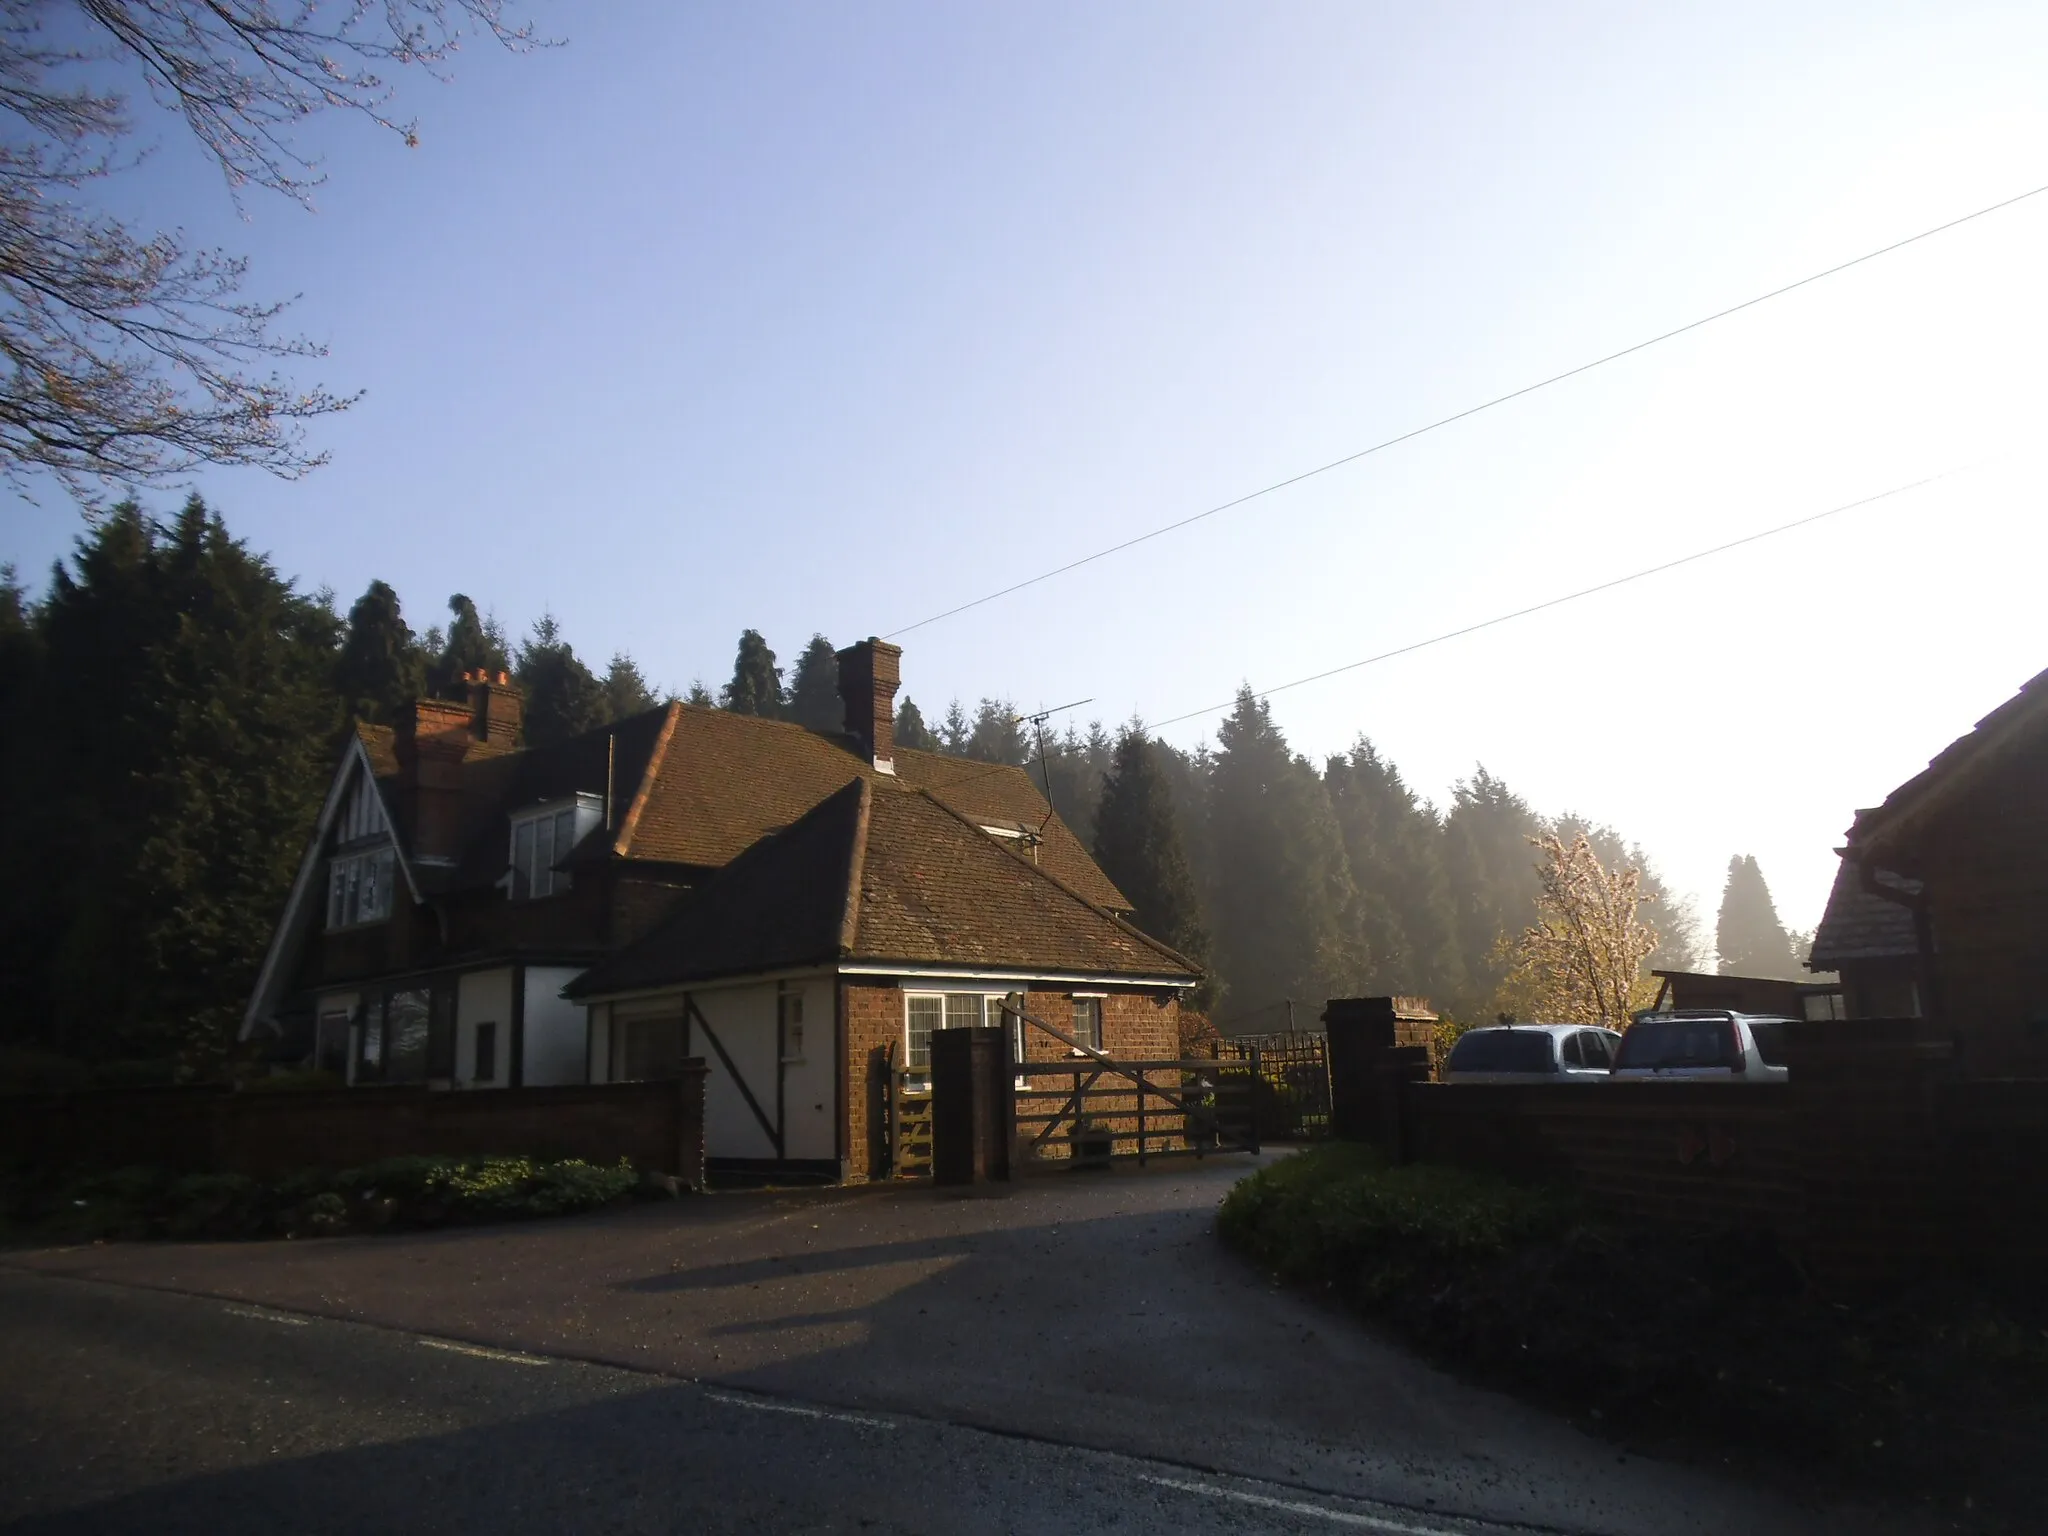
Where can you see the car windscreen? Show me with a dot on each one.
(1672, 1043)
(1769, 1035)
(1501, 1050)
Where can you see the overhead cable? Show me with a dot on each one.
(1469, 411)
(1568, 597)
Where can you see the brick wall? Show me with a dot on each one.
(1880, 1163)
(873, 1017)
(656, 1125)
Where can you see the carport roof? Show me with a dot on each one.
(885, 874)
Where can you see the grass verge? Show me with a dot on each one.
(1707, 1346)
(398, 1193)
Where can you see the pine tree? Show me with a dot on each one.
(563, 698)
(1138, 845)
(1073, 770)
(814, 691)
(911, 731)
(953, 732)
(700, 695)
(1750, 938)
(997, 735)
(756, 686)
(1492, 879)
(175, 808)
(1407, 923)
(474, 643)
(1282, 884)
(625, 689)
(381, 668)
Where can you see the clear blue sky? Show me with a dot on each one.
(830, 317)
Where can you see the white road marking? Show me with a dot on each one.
(484, 1354)
(1290, 1506)
(266, 1317)
(765, 1406)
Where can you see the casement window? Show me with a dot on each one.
(484, 1068)
(359, 888)
(407, 1035)
(789, 1024)
(1087, 1027)
(649, 1048)
(924, 1012)
(543, 837)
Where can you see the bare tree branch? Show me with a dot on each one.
(128, 358)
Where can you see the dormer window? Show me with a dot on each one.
(543, 836)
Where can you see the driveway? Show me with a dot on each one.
(1089, 1311)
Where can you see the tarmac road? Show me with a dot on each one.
(1076, 1354)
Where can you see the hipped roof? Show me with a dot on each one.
(695, 787)
(884, 873)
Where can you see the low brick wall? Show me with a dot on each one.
(1686, 1154)
(656, 1125)
(1879, 1162)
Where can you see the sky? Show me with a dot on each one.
(814, 318)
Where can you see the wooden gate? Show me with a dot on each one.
(1092, 1108)
(1293, 1073)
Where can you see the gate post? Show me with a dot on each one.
(973, 1106)
(1370, 1072)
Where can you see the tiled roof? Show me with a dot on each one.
(725, 780)
(883, 873)
(1878, 831)
(1861, 925)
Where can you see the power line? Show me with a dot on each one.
(1569, 597)
(1526, 389)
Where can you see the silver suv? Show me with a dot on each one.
(1706, 1045)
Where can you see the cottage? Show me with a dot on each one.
(793, 906)
(1961, 850)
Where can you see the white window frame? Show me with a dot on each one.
(551, 831)
(946, 997)
(359, 887)
(1101, 1024)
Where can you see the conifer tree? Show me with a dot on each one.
(954, 732)
(175, 809)
(1282, 886)
(1751, 939)
(756, 686)
(1406, 920)
(814, 690)
(1493, 881)
(911, 731)
(700, 695)
(997, 735)
(625, 689)
(563, 698)
(1138, 845)
(382, 667)
(474, 643)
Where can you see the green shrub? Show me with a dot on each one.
(1340, 1213)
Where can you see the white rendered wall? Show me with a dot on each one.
(483, 997)
(555, 1028)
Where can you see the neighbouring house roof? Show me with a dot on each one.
(1879, 835)
(884, 872)
(1860, 924)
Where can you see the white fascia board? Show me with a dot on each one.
(354, 757)
(718, 984)
(1065, 978)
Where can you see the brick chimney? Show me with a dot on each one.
(433, 739)
(497, 709)
(870, 672)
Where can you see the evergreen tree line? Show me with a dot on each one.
(175, 709)
(174, 712)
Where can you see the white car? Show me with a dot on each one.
(1704, 1045)
(1528, 1053)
